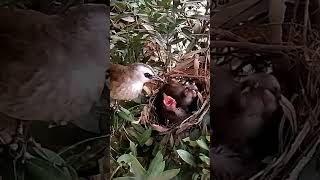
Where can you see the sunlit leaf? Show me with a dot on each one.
(133, 148)
(195, 176)
(148, 27)
(205, 159)
(202, 144)
(166, 175)
(208, 138)
(157, 165)
(191, 143)
(186, 156)
(126, 158)
(125, 178)
(135, 165)
(128, 19)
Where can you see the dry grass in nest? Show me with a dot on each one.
(194, 66)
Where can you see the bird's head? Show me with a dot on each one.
(191, 90)
(169, 102)
(144, 73)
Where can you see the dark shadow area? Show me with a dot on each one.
(54, 101)
(264, 81)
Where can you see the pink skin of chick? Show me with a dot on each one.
(171, 105)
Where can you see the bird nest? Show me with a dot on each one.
(301, 85)
(194, 68)
(297, 152)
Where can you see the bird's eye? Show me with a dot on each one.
(147, 75)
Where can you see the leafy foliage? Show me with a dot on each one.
(171, 25)
(158, 33)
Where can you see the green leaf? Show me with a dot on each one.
(55, 159)
(191, 143)
(171, 140)
(202, 144)
(186, 156)
(176, 41)
(157, 165)
(145, 137)
(39, 169)
(73, 173)
(138, 127)
(125, 114)
(166, 175)
(134, 164)
(148, 27)
(204, 158)
(205, 175)
(133, 148)
(126, 158)
(125, 178)
(128, 19)
(133, 133)
(195, 176)
(208, 138)
(137, 168)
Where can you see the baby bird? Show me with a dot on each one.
(126, 82)
(242, 111)
(171, 111)
(265, 86)
(183, 94)
(263, 80)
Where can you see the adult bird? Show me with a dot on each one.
(52, 66)
(126, 82)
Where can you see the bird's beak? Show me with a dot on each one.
(157, 78)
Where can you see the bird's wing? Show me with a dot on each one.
(51, 67)
(117, 73)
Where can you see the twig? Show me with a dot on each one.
(296, 6)
(303, 162)
(293, 149)
(227, 34)
(253, 46)
(306, 21)
(81, 142)
(187, 75)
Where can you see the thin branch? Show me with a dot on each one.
(253, 46)
(306, 21)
